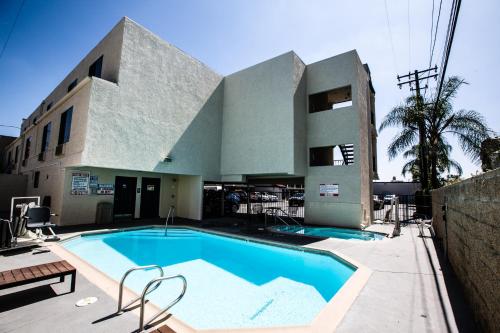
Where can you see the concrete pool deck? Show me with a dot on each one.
(406, 292)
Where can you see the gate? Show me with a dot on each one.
(410, 207)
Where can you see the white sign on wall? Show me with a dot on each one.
(328, 190)
(80, 182)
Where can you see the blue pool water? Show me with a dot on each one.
(232, 283)
(341, 233)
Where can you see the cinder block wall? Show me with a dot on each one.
(471, 237)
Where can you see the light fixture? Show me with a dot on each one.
(167, 159)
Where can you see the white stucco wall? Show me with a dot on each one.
(166, 104)
(258, 118)
(334, 127)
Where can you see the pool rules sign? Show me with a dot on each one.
(328, 190)
(80, 182)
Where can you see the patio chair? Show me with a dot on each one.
(425, 224)
(37, 219)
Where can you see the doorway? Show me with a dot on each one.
(124, 202)
(150, 197)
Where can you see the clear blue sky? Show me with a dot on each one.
(51, 37)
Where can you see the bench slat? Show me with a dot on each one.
(36, 271)
(18, 275)
(44, 269)
(52, 268)
(27, 273)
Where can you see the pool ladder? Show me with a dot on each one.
(149, 288)
(171, 213)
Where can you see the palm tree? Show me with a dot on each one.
(467, 126)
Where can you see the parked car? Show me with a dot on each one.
(232, 203)
(296, 200)
(378, 203)
(388, 198)
(272, 197)
(255, 196)
(264, 196)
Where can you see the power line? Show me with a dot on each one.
(387, 21)
(11, 29)
(435, 32)
(409, 36)
(432, 31)
(452, 24)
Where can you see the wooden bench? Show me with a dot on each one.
(26, 275)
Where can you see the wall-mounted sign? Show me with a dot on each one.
(150, 187)
(329, 190)
(93, 181)
(105, 189)
(80, 183)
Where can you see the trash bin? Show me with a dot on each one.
(104, 213)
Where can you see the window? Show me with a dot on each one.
(96, 68)
(9, 157)
(16, 155)
(321, 156)
(72, 85)
(65, 126)
(332, 155)
(37, 179)
(46, 137)
(27, 148)
(49, 106)
(330, 100)
(34, 121)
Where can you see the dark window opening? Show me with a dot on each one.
(330, 100)
(47, 129)
(72, 85)
(37, 179)
(34, 121)
(9, 158)
(96, 68)
(65, 126)
(49, 106)
(331, 155)
(16, 156)
(27, 148)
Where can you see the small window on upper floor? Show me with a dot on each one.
(72, 85)
(16, 155)
(9, 157)
(49, 106)
(47, 129)
(27, 148)
(330, 100)
(37, 179)
(332, 155)
(34, 121)
(65, 126)
(96, 68)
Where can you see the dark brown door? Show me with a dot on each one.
(124, 204)
(150, 197)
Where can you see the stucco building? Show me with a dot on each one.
(142, 125)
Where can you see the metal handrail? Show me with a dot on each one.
(170, 211)
(275, 214)
(120, 293)
(145, 292)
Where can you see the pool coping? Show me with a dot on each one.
(325, 321)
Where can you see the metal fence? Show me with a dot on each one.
(231, 201)
(410, 207)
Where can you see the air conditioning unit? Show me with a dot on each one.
(41, 156)
(60, 149)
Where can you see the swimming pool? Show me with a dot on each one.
(328, 232)
(232, 283)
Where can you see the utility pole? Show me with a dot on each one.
(415, 78)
